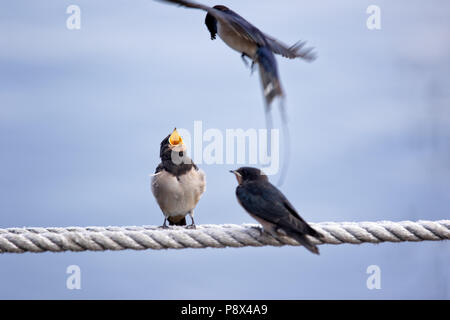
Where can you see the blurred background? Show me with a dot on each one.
(82, 113)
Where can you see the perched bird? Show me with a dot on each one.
(265, 203)
(177, 183)
(242, 36)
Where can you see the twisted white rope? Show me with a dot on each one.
(217, 236)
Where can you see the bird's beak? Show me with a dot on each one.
(175, 138)
(238, 176)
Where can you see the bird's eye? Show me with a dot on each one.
(181, 153)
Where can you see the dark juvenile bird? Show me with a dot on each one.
(177, 183)
(242, 36)
(264, 202)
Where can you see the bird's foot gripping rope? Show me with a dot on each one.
(21, 240)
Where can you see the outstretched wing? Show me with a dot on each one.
(266, 202)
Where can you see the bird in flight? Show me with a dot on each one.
(267, 205)
(252, 43)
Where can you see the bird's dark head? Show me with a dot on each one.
(172, 145)
(211, 22)
(246, 174)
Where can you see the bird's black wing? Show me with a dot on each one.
(294, 212)
(242, 27)
(266, 202)
(188, 4)
(246, 30)
(297, 50)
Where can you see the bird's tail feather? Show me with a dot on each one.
(268, 71)
(173, 221)
(271, 85)
(287, 143)
(304, 241)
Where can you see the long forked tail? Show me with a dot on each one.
(270, 80)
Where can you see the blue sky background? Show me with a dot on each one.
(82, 114)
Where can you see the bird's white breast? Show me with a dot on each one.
(178, 196)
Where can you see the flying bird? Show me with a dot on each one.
(265, 203)
(244, 37)
(177, 183)
(252, 43)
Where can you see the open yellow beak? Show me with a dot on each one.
(175, 138)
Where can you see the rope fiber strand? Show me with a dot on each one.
(19, 240)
